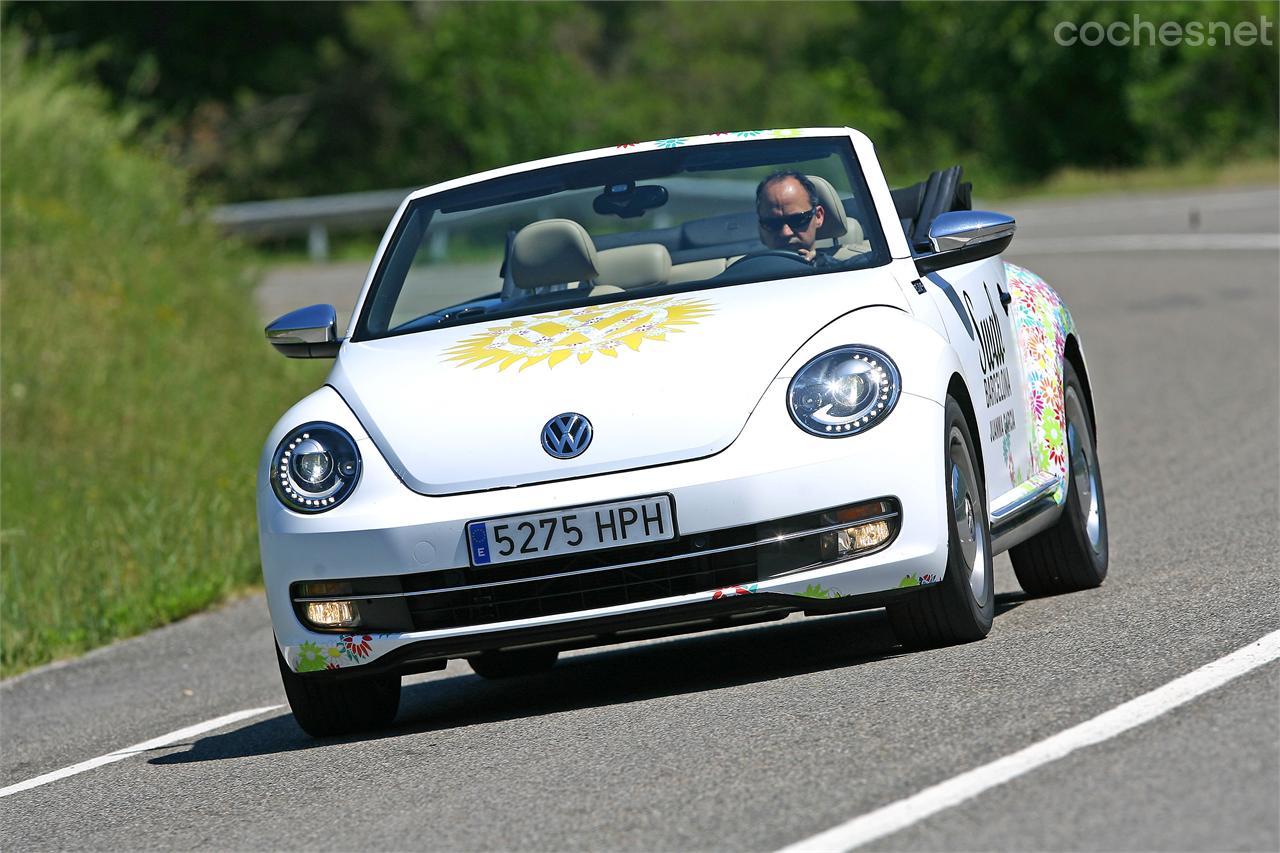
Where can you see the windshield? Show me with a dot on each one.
(615, 228)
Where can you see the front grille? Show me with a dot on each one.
(468, 596)
(569, 593)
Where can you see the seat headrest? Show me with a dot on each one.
(552, 251)
(634, 266)
(834, 224)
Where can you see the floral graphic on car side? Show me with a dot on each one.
(1041, 324)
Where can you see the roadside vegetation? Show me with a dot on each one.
(136, 388)
(367, 96)
(1182, 176)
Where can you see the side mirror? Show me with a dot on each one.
(310, 332)
(962, 236)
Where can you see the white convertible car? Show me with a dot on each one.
(590, 399)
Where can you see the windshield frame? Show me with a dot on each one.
(449, 196)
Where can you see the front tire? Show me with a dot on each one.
(961, 607)
(326, 707)
(1072, 555)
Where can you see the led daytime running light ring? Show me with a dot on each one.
(870, 408)
(341, 481)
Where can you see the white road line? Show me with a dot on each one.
(903, 813)
(121, 754)
(1198, 242)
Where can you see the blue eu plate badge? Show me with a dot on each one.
(479, 543)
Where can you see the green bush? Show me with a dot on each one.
(136, 387)
(351, 96)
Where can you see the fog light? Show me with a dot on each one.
(858, 538)
(333, 614)
(866, 536)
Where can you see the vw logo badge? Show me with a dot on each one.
(566, 436)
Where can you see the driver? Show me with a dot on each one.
(790, 214)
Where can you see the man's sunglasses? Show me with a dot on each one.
(797, 222)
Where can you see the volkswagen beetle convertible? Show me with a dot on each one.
(581, 402)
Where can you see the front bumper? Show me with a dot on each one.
(772, 471)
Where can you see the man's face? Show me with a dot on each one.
(787, 200)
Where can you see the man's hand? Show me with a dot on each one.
(807, 254)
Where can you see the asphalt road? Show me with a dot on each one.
(762, 736)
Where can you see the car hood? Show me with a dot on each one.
(661, 379)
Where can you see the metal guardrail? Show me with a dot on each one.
(315, 217)
(318, 216)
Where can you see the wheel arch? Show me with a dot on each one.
(1074, 355)
(958, 391)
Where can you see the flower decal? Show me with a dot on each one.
(347, 650)
(358, 645)
(579, 333)
(310, 657)
(817, 590)
(731, 591)
(1041, 324)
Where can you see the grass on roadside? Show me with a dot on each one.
(1184, 176)
(136, 387)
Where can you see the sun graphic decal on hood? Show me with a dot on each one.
(579, 333)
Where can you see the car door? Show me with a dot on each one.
(974, 304)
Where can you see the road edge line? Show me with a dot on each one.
(121, 754)
(898, 815)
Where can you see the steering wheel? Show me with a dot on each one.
(786, 254)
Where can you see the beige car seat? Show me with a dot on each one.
(627, 267)
(552, 251)
(696, 270)
(844, 232)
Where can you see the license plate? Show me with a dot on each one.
(571, 531)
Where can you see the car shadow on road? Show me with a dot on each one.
(609, 676)
(1006, 601)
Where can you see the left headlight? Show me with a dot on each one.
(315, 468)
(844, 391)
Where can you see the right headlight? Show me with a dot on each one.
(844, 391)
(315, 468)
